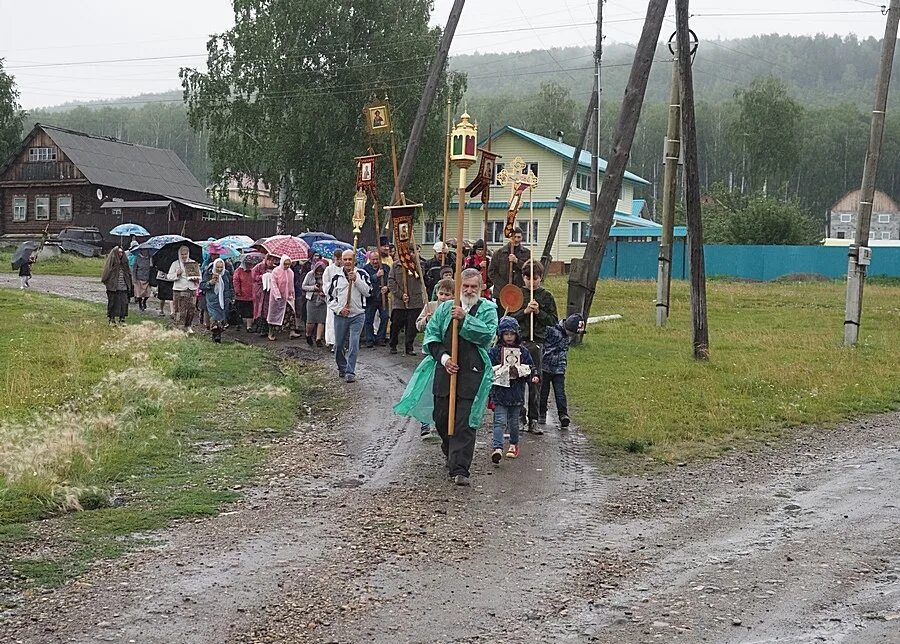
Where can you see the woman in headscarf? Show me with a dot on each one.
(243, 291)
(184, 288)
(281, 297)
(117, 279)
(218, 292)
(315, 305)
(140, 273)
(261, 292)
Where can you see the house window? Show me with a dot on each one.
(498, 167)
(149, 211)
(496, 236)
(841, 235)
(432, 232)
(845, 219)
(871, 234)
(64, 208)
(884, 219)
(579, 231)
(582, 181)
(885, 235)
(41, 154)
(20, 208)
(42, 208)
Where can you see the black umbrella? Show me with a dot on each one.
(23, 252)
(164, 257)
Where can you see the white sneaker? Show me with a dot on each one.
(190, 331)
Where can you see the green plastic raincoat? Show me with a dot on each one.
(479, 329)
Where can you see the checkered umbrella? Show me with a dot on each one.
(286, 245)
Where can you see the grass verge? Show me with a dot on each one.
(65, 264)
(106, 433)
(776, 362)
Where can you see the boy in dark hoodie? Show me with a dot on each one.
(554, 363)
(508, 401)
(543, 309)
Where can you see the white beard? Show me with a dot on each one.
(469, 302)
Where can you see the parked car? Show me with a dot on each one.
(87, 241)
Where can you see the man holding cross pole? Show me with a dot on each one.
(427, 396)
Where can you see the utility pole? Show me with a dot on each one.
(700, 327)
(583, 273)
(670, 194)
(860, 255)
(595, 121)
(567, 185)
(431, 85)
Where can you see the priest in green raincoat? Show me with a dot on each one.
(427, 396)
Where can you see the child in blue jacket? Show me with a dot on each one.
(553, 366)
(508, 401)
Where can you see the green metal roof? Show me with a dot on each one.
(564, 150)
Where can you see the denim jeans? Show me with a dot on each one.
(506, 419)
(559, 392)
(371, 335)
(346, 332)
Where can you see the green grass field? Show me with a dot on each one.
(109, 432)
(65, 264)
(776, 362)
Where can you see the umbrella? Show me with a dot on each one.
(326, 248)
(236, 241)
(23, 252)
(129, 230)
(168, 253)
(286, 245)
(211, 246)
(312, 237)
(252, 259)
(155, 243)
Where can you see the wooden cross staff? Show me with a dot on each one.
(521, 175)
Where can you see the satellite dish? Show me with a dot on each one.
(99, 194)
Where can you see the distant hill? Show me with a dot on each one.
(820, 70)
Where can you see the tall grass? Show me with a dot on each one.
(110, 420)
(65, 264)
(776, 361)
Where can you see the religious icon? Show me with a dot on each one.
(481, 182)
(403, 231)
(366, 171)
(512, 356)
(402, 220)
(378, 117)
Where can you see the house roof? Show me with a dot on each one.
(503, 205)
(849, 203)
(564, 150)
(637, 207)
(107, 161)
(618, 217)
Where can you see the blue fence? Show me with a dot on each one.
(638, 261)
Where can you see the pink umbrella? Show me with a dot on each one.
(218, 249)
(286, 245)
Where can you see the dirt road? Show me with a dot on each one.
(353, 534)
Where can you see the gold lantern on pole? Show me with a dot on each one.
(463, 153)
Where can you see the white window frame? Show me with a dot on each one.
(885, 234)
(60, 204)
(498, 167)
(581, 224)
(495, 226)
(871, 234)
(496, 237)
(884, 219)
(846, 219)
(41, 154)
(20, 209)
(432, 232)
(42, 203)
(583, 179)
(115, 211)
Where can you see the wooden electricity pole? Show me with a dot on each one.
(595, 120)
(431, 85)
(567, 185)
(860, 255)
(700, 328)
(670, 194)
(584, 272)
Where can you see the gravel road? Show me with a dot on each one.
(353, 534)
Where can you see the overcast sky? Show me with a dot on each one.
(60, 51)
